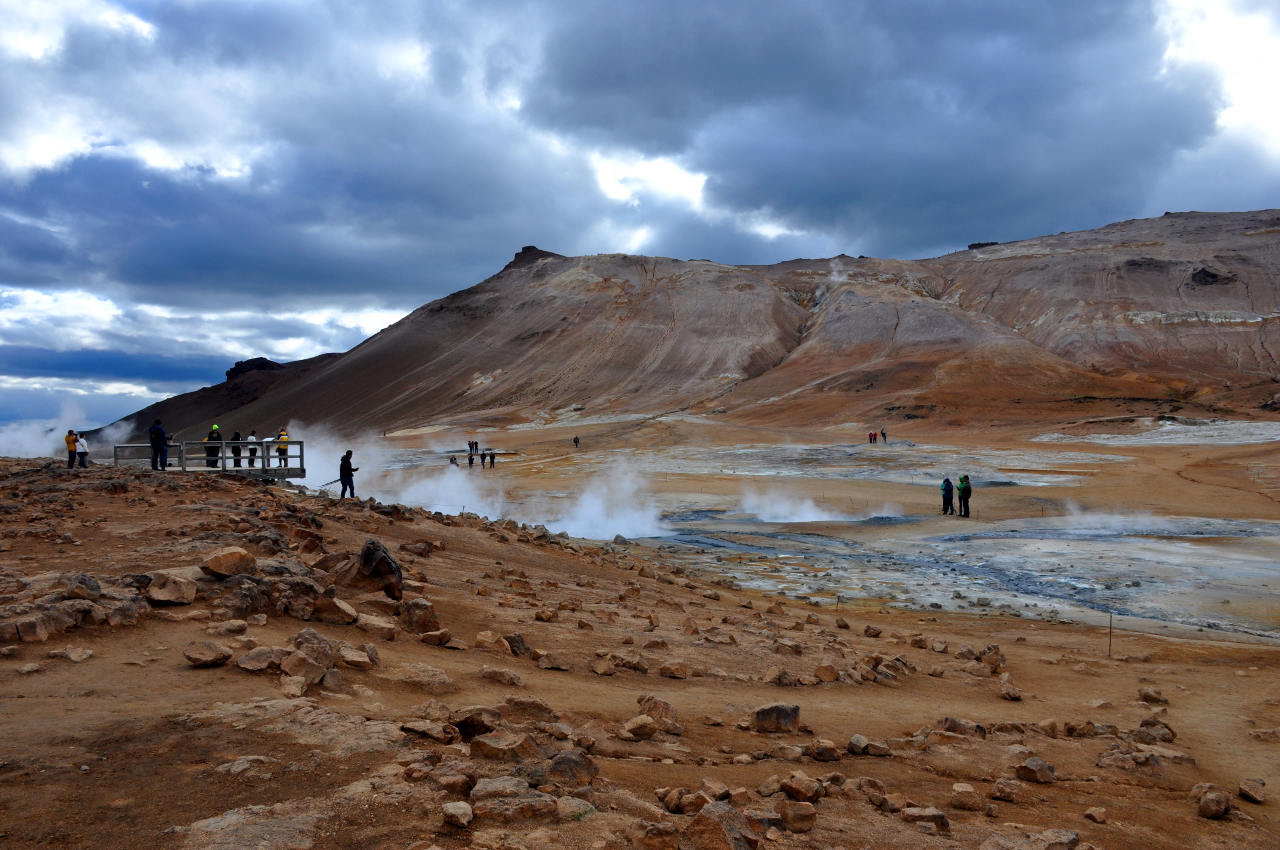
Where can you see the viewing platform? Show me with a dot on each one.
(261, 459)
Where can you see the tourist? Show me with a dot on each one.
(883, 436)
(964, 491)
(253, 450)
(70, 440)
(947, 489)
(575, 442)
(213, 447)
(159, 446)
(492, 456)
(346, 474)
(235, 448)
(471, 461)
(82, 451)
(282, 448)
(453, 461)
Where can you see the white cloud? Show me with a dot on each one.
(1243, 48)
(35, 29)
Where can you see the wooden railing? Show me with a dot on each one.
(269, 459)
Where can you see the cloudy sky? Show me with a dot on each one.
(187, 183)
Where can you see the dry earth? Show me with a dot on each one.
(420, 716)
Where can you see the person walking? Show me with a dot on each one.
(575, 442)
(253, 450)
(346, 474)
(492, 457)
(82, 451)
(948, 489)
(159, 446)
(235, 448)
(212, 447)
(70, 440)
(282, 448)
(884, 438)
(471, 461)
(964, 491)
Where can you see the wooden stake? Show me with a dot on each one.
(1109, 618)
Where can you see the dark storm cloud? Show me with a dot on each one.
(899, 127)
(159, 370)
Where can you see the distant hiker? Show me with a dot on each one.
(964, 491)
(471, 461)
(253, 450)
(282, 448)
(70, 440)
(492, 455)
(212, 447)
(871, 436)
(884, 436)
(346, 474)
(453, 461)
(235, 448)
(575, 442)
(82, 451)
(159, 446)
(947, 489)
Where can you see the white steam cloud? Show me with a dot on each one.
(39, 438)
(612, 503)
(782, 507)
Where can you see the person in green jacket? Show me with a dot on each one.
(964, 491)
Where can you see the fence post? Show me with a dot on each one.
(302, 450)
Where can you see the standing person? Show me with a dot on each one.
(492, 456)
(282, 447)
(159, 446)
(82, 451)
(70, 440)
(471, 461)
(947, 489)
(964, 491)
(346, 474)
(235, 448)
(212, 447)
(575, 442)
(883, 436)
(253, 450)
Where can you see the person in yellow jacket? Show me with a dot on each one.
(282, 448)
(70, 440)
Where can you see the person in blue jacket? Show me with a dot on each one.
(159, 446)
(948, 491)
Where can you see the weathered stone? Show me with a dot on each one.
(439, 637)
(227, 562)
(641, 727)
(553, 661)
(718, 826)
(329, 608)
(1009, 692)
(800, 787)
(1005, 789)
(533, 805)
(1097, 814)
(965, 798)
(445, 733)
(501, 676)
(261, 658)
(778, 717)
(603, 667)
(501, 745)
(1251, 790)
(490, 787)
(917, 814)
(1213, 804)
(379, 627)
(675, 668)
(418, 616)
(1152, 696)
(33, 630)
(797, 816)
(826, 672)
(822, 749)
(205, 653)
(78, 654)
(473, 720)
(354, 658)
(171, 588)
(78, 586)
(492, 641)
(572, 769)
(429, 679)
(663, 713)
(648, 835)
(1057, 839)
(857, 744)
(871, 631)
(1035, 769)
(458, 813)
(293, 686)
(300, 664)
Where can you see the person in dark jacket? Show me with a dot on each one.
(964, 490)
(235, 448)
(948, 490)
(159, 446)
(346, 474)
(212, 447)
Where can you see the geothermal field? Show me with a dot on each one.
(690, 604)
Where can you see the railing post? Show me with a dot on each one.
(302, 465)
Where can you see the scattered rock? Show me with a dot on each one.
(72, 654)
(1251, 790)
(171, 588)
(1152, 696)
(797, 816)
(1035, 769)
(642, 727)
(231, 561)
(719, 826)
(205, 653)
(458, 813)
(916, 814)
(778, 717)
(965, 798)
(1097, 814)
(648, 835)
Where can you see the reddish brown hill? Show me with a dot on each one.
(1182, 308)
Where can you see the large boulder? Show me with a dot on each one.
(227, 562)
(372, 570)
(778, 717)
(205, 653)
(171, 588)
(418, 616)
(719, 826)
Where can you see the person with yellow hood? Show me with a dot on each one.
(282, 447)
(212, 447)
